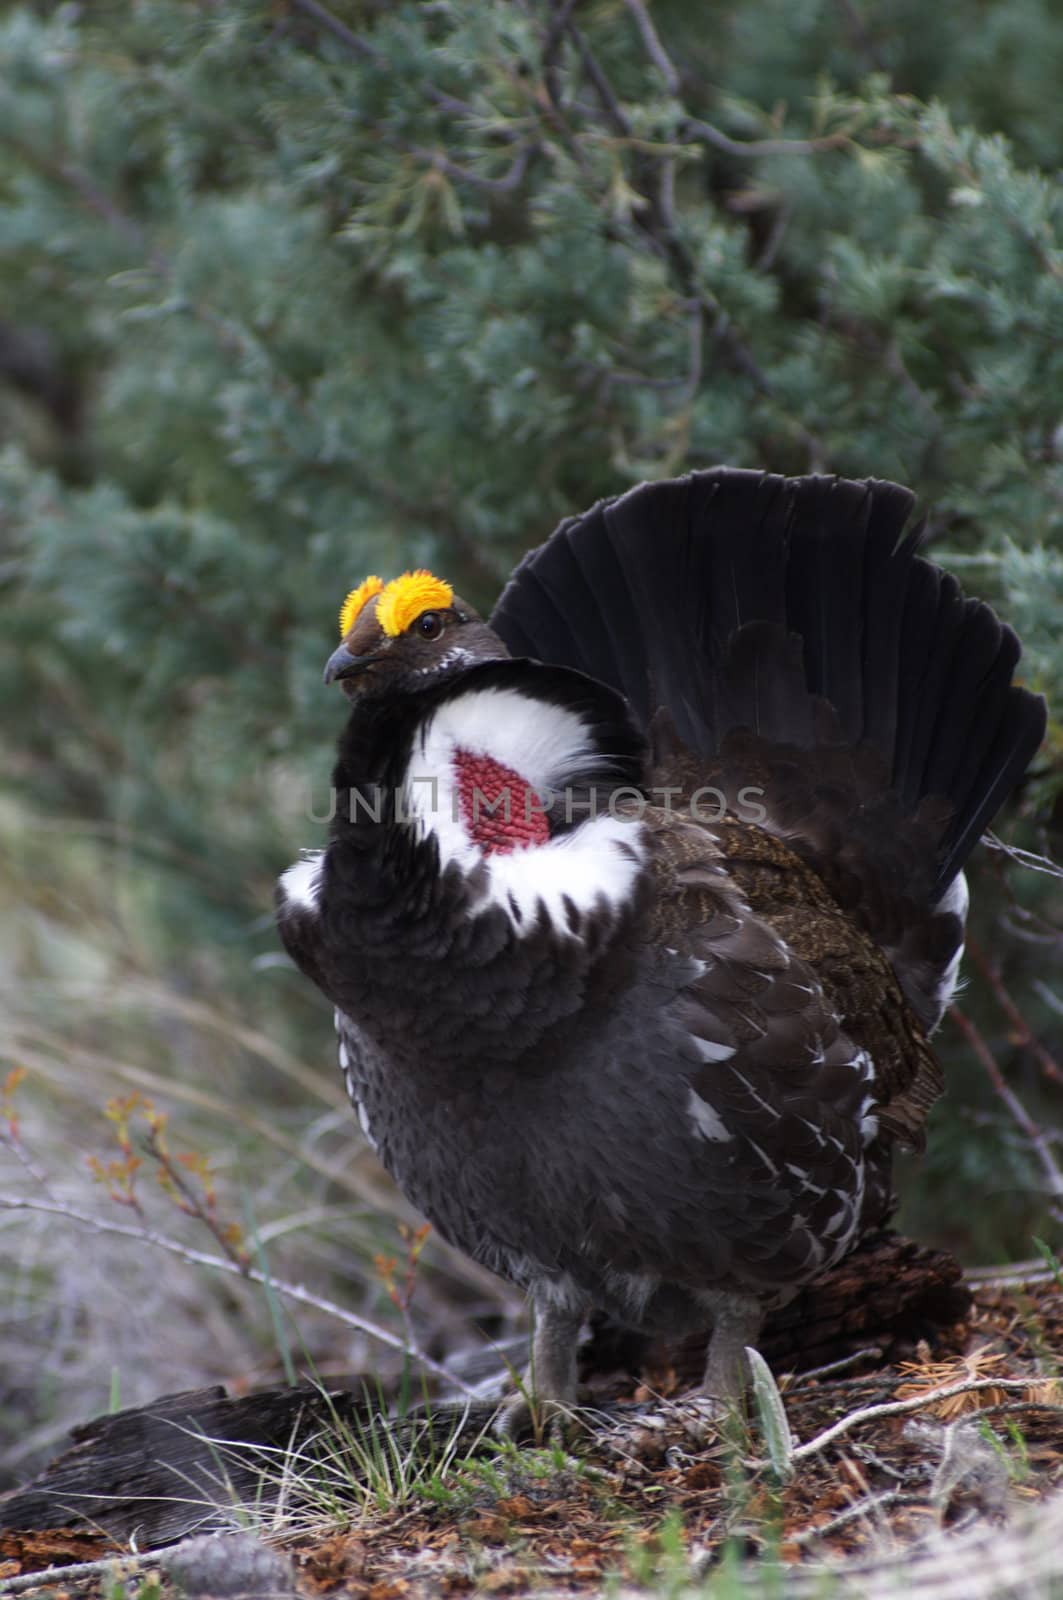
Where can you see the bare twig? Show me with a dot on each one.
(666, 194)
(750, 149)
(1024, 1037)
(339, 30)
(1013, 1275)
(900, 1408)
(697, 351)
(1034, 1135)
(859, 1508)
(1052, 1000)
(563, 10)
(870, 1352)
(898, 368)
(1024, 858)
(653, 46)
(200, 1258)
(657, 232)
(614, 111)
(11, 1140)
(197, 1203)
(772, 244)
(638, 380)
(115, 1566)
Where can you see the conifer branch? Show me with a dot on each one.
(696, 128)
(651, 39)
(509, 181)
(330, 23)
(753, 149)
(359, 46)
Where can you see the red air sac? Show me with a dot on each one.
(499, 808)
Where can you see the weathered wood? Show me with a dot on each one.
(891, 1292)
(161, 1471)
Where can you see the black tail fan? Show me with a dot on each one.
(687, 595)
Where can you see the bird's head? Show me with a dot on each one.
(407, 635)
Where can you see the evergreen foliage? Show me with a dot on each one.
(293, 292)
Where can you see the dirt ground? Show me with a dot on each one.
(641, 1504)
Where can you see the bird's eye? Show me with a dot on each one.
(430, 625)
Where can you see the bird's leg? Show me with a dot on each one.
(736, 1323)
(548, 1389)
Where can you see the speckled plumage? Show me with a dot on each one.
(657, 1061)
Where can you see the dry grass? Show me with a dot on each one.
(93, 1010)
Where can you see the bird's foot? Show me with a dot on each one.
(529, 1418)
(670, 1432)
(544, 1406)
(703, 1417)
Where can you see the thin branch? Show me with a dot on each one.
(95, 200)
(1023, 858)
(339, 30)
(358, 46)
(900, 1408)
(655, 233)
(898, 368)
(201, 1258)
(32, 1043)
(694, 127)
(505, 185)
(116, 1567)
(870, 1352)
(773, 243)
(860, 1508)
(654, 48)
(637, 380)
(188, 1199)
(1014, 1275)
(1050, 998)
(1035, 1135)
(1024, 1037)
(750, 149)
(552, 49)
(863, 38)
(10, 1140)
(666, 194)
(697, 353)
(614, 111)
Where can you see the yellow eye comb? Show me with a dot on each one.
(403, 600)
(356, 603)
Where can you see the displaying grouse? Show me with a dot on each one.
(643, 898)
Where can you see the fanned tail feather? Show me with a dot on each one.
(788, 628)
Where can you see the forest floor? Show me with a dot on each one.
(637, 1505)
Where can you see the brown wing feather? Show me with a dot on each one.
(778, 944)
(832, 806)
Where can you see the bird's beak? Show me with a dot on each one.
(341, 664)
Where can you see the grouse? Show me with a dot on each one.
(643, 898)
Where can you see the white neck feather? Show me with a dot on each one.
(595, 865)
